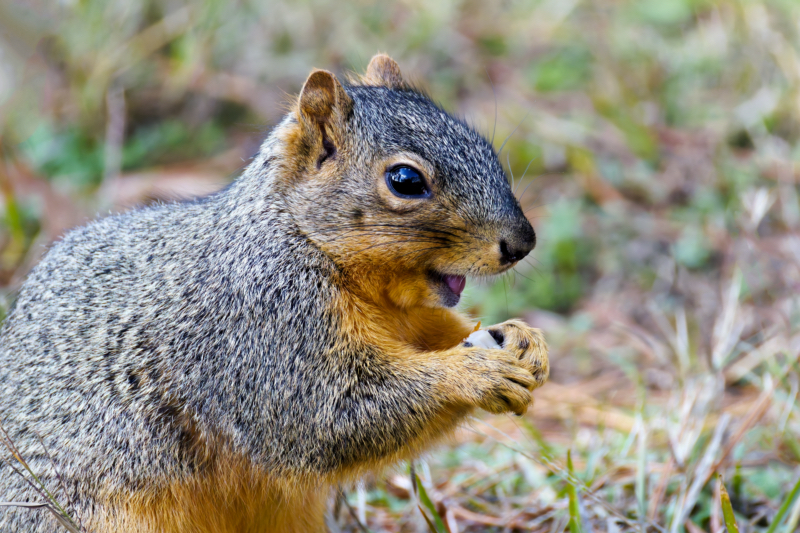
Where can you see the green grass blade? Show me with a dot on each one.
(431, 525)
(426, 501)
(54, 507)
(52, 499)
(63, 521)
(575, 525)
(641, 477)
(787, 503)
(727, 509)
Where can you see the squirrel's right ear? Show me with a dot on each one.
(323, 107)
(323, 100)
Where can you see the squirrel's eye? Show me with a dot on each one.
(406, 182)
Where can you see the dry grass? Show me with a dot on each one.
(664, 137)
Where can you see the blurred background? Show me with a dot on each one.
(655, 145)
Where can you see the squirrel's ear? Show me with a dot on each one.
(323, 98)
(383, 71)
(322, 109)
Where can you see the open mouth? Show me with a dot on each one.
(450, 287)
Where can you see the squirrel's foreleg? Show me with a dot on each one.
(497, 379)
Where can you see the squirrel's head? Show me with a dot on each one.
(404, 197)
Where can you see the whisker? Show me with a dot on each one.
(412, 240)
(436, 228)
(525, 190)
(360, 233)
(350, 254)
(536, 268)
(505, 291)
(356, 232)
(494, 128)
(395, 229)
(510, 170)
(373, 229)
(523, 275)
(534, 158)
(534, 207)
(513, 132)
(531, 258)
(422, 250)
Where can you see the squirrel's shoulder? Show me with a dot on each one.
(179, 255)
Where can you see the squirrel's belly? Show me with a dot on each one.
(235, 501)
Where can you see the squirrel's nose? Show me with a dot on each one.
(518, 244)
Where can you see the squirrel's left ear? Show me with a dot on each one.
(323, 107)
(383, 71)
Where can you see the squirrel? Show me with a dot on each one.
(221, 364)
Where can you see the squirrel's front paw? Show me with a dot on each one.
(527, 343)
(496, 381)
(507, 367)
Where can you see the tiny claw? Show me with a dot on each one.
(524, 411)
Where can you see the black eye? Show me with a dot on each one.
(406, 182)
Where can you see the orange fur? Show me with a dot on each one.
(232, 497)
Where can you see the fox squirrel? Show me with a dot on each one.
(218, 365)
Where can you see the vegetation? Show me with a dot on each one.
(661, 140)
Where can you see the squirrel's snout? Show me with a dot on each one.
(517, 244)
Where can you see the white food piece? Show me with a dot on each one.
(482, 339)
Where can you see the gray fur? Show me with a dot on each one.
(141, 334)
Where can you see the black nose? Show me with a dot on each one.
(518, 245)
